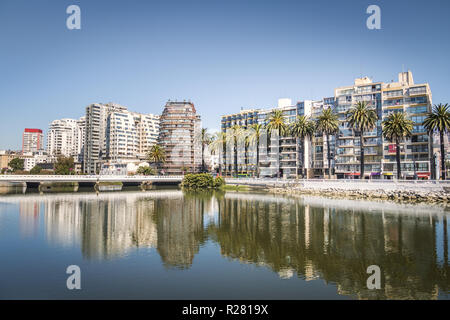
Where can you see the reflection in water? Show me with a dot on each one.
(310, 238)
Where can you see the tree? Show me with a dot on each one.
(218, 143)
(145, 171)
(362, 118)
(205, 139)
(328, 124)
(276, 122)
(302, 129)
(235, 134)
(16, 164)
(256, 131)
(36, 169)
(156, 155)
(439, 120)
(64, 166)
(397, 127)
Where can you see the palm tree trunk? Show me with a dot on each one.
(203, 159)
(257, 157)
(361, 147)
(441, 136)
(224, 157)
(296, 169)
(397, 156)
(235, 158)
(329, 157)
(431, 154)
(279, 153)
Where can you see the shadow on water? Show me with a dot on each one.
(309, 238)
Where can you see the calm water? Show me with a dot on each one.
(164, 244)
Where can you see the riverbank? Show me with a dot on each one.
(415, 196)
(410, 191)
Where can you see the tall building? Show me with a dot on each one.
(65, 138)
(179, 135)
(402, 96)
(114, 134)
(32, 140)
(288, 148)
(379, 154)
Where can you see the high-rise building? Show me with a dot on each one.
(179, 135)
(65, 138)
(114, 134)
(280, 156)
(405, 96)
(32, 140)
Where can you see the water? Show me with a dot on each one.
(163, 244)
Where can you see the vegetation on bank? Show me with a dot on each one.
(196, 181)
(110, 183)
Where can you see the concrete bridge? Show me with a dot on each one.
(86, 180)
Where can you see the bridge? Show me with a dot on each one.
(31, 181)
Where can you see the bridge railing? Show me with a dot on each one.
(336, 181)
(84, 177)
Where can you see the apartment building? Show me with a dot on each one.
(280, 156)
(65, 137)
(179, 135)
(130, 135)
(402, 96)
(32, 140)
(115, 134)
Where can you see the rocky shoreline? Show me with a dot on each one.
(398, 195)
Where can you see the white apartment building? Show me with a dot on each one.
(115, 134)
(65, 137)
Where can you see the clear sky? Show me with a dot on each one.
(220, 54)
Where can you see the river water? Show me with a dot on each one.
(166, 244)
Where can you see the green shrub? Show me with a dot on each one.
(218, 182)
(198, 181)
(145, 171)
(36, 170)
(201, 181)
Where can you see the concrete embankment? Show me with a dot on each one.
(411, 191)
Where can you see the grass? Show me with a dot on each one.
(230, 187)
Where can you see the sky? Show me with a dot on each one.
(221, 55)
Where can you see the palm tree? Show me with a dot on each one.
(328, 124)
(397, 127)
(205, 140)
(256, 131)
(235, 135)
(362, 118)
(276, 122)
(302, 128)
(217, 144)
(439, 120)
(156, 154)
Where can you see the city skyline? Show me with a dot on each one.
(225, 56)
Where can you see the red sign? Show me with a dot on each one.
(392, 148)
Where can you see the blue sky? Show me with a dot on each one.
(222, 55)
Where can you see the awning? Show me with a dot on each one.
(388, 174)
(352, 173)
(423, 174)
(375, 173)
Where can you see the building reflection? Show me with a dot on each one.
(337, 244)
(309, 238)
